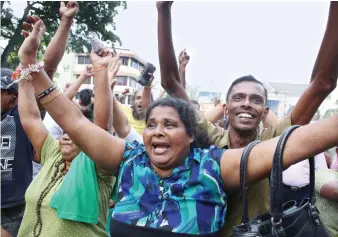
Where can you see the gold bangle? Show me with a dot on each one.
(51, 99)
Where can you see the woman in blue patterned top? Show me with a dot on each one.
(167, 187)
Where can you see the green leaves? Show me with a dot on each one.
(93, 16)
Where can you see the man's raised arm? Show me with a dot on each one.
(57, 45)
(324, 74)
(170, 79)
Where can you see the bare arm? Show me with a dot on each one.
(215, 114)
(57, 45)
(120, 121)
(183, 60)
(181, 72)
(324, 75)
(31, 118)
(103, 104)
(146, 97)
(170, 79)
(304, 142)
(71, 91)
(104, 149)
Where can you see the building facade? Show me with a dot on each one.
(131, 67)
(283, 96)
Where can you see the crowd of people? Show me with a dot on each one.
(96, 167)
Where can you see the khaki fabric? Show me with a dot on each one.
(258, 195)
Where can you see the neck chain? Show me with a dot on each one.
(58, 174)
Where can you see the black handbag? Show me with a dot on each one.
(289, 220)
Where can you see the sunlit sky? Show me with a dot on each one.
(273, 41)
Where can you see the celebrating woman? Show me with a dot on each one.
(168, 187)
(70, 195)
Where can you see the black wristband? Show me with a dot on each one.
(47, 92)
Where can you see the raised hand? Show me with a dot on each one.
(70, 10)
(183, 58)
(67, 85)
(113, 67)
(87, 71)
(102, 58)
(112, 83)
(28, 50)
(125, 91)
(164, 4)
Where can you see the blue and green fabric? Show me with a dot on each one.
(191, 200)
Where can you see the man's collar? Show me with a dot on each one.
(227, 140)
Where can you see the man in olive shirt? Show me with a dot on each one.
(246, 100)
(246, 105)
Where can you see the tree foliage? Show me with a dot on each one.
(93, 16)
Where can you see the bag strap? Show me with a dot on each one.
(276, 183)
(312, 181)
(243, 165)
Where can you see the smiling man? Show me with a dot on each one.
(246, 100)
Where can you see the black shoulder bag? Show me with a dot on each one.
(289, 220)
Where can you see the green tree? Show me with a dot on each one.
(93, 16)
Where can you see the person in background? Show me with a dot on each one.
(183, 60)
(16, 157)
(326, 187)
(121, 124)
(136, 113)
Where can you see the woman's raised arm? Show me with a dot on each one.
(30, 117)
(104, 149)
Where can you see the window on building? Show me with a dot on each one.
(132, 82)
(134, 63)
(122, 81)
(130, 99)
(141, 66)
(83, 60)
(124, 61)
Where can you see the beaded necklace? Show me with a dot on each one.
(59, 172)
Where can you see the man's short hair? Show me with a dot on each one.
(85, 96)
(247, 78)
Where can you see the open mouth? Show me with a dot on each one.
(245, 116)
(160, 148)
(139, 107)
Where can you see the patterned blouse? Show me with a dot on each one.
(191, 200)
